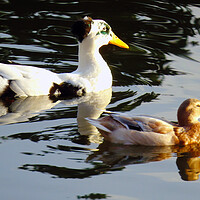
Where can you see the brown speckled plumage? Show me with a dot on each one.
(155, 132)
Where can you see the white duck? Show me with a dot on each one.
(92, 74)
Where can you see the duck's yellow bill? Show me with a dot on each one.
(116, 41)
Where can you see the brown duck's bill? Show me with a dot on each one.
(116, 41)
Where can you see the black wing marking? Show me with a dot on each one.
(126, 122)
(66, 90)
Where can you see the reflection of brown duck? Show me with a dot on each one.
(150, 131)
(188, 162)
(189, 168)
(117, 156)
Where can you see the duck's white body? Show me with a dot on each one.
(92, 74)
(27, 80)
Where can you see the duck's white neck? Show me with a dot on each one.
(89, 57)
(92, 66)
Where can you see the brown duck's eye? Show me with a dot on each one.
(198, 105)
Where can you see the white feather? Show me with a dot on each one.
(97, 124)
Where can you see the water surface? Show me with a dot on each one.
(47, 149)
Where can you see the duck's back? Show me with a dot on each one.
(26, 80)
(137, 130)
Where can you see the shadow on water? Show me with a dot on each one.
(128, 105)
(112, 157)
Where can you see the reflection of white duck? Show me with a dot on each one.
(90, 105)
(92, 74)
(150, 131)
(22, 109)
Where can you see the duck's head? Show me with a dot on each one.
(189, 112)
(96, 31)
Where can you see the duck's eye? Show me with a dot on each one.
(198, 105)
(105, 30)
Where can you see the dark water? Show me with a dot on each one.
(48, 151)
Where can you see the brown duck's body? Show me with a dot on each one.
(190, 135)
(151, 131)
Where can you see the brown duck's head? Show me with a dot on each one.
(189, 112)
